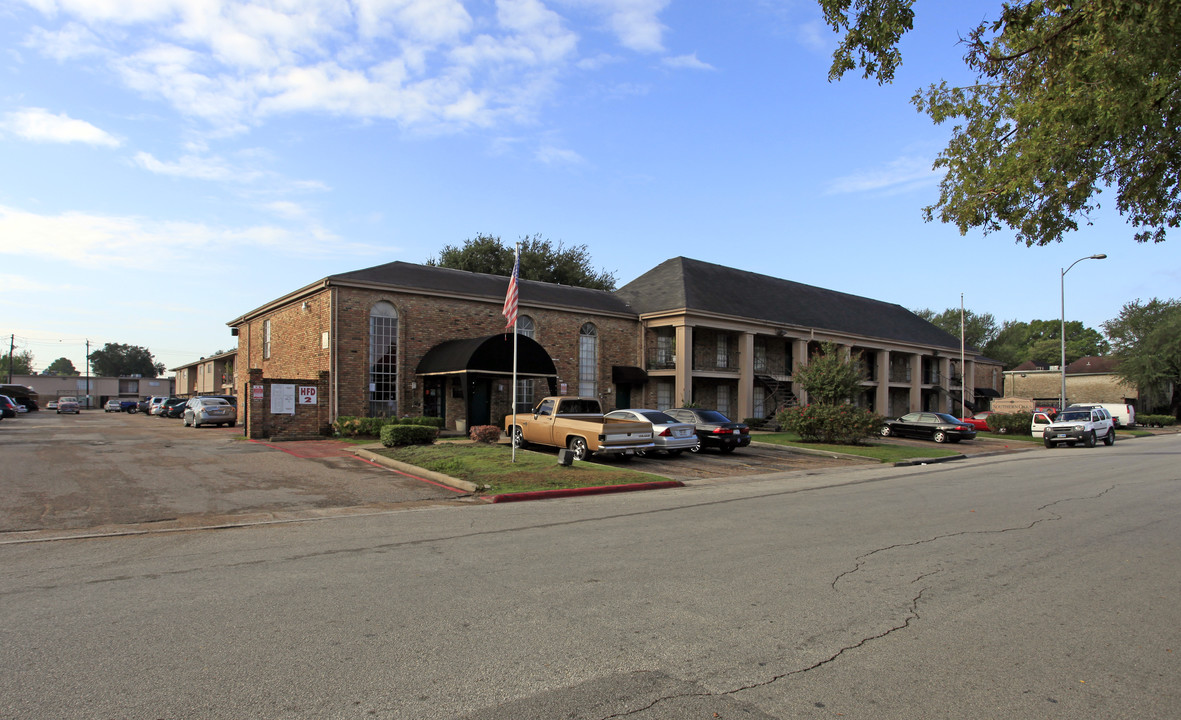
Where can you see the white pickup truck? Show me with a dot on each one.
(1086, 426)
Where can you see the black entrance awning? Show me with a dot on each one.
(986, 392)
(628, 374)
(492, 355)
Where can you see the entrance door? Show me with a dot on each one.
(623, 396)
(433, 402)
(479, 402)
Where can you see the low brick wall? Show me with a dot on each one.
(308, 421)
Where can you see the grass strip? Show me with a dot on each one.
(492, 469)
(878, 451)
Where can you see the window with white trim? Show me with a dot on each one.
(525, 392)
(664, 394)
(266, 339)
(383, 360)
(724, 400)
(588, 360)
(723, 351)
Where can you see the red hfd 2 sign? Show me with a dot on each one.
(307, 395)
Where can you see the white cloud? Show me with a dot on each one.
(40, 125)
(900, 175)
(103, 243)
(190, 166)
(551, 155)
(636, 23)
(689, 62)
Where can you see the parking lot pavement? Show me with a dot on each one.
(100, 470)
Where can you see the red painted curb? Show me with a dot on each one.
(597, 490)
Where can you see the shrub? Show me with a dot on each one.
(350, 426)
(1156, 420)
(484, 433)
(392, 435)
(833, 424)
(435, 422)
(1017, 423)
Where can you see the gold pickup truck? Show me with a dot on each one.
(577, 423)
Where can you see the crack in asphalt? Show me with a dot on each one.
(912, 616)
(860, 559)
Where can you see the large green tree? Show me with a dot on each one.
(62, 366)
(1040, 341)
(16, 363)
(831, 376)
(979, 328)
(1146, 338)
(540, 260)
(1071, 98)
(116, 360)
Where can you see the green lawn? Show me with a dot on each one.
(491, 467)
(886, 453)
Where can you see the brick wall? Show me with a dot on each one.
(308, 422)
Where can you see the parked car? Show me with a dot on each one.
(112, 405)
(68, 405)
(713, 429)
(668, 434)
(1085, 425)
(7, 407)
(51, 405)
(939, 427)
(1122, 414)
(143, 405)
(979, 420)
(173, 407)
(129, 406)
(155, 403)
(200, 411)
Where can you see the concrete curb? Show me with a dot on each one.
(931, 461)
(414, 471)
(574, 492)
(812, 451)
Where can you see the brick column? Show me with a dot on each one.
(253, 410)
(684, 363)
(882, 398)
(916, 383)
(746, 375)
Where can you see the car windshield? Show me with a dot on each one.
(1074, 416)
(213, 401)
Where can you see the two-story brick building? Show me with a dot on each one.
(403, 339)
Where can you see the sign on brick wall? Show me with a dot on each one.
(307, 395)
(282, 399)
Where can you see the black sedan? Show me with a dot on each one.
(173, 407)
(939, 427)
(713, 429)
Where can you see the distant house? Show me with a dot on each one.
(1088, 379)
(94, 391)
(403, 339)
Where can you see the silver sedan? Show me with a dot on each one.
(210, 411)
(669, 435)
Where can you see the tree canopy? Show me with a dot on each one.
(116, 360)
(62, 366)
(1040, 341)
(540, 260)
(1146, 339)
(1071, 98)
(979, 329)
(830, 377)
(16, 363)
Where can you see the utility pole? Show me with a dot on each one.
(87, 373)
(11, 350)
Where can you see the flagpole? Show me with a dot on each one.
(516, 278)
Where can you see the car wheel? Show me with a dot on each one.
(1049, 445)
(1109, 438)
(185, 421)
(940, 436)
(578, 446)
(519, 437)
(234, 424)
(886, 431)
(1089, 440)
(696, 448)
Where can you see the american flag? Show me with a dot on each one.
(510, 300)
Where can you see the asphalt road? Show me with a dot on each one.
(1042, 584)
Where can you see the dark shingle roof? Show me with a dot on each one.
(706, 287)
(1093, 364)
(493, 287)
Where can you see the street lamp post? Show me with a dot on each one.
(1062, 331)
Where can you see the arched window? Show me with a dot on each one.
(525, 391)
(526, 327)
(588, 360)
(383, 360)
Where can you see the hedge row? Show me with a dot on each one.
(392, 434)
(836, 424)
(1156, 420)
(1018, 423)
(351, 426)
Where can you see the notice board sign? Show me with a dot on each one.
(282, 399)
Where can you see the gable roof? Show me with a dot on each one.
(684, 283)
(1093, 364)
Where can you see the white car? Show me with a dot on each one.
(1086, 426)
(156, 403)
(210, 411)
(68, 405)
(113, 406)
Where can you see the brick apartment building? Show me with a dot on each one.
(403, 339)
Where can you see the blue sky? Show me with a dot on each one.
(168, 166)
